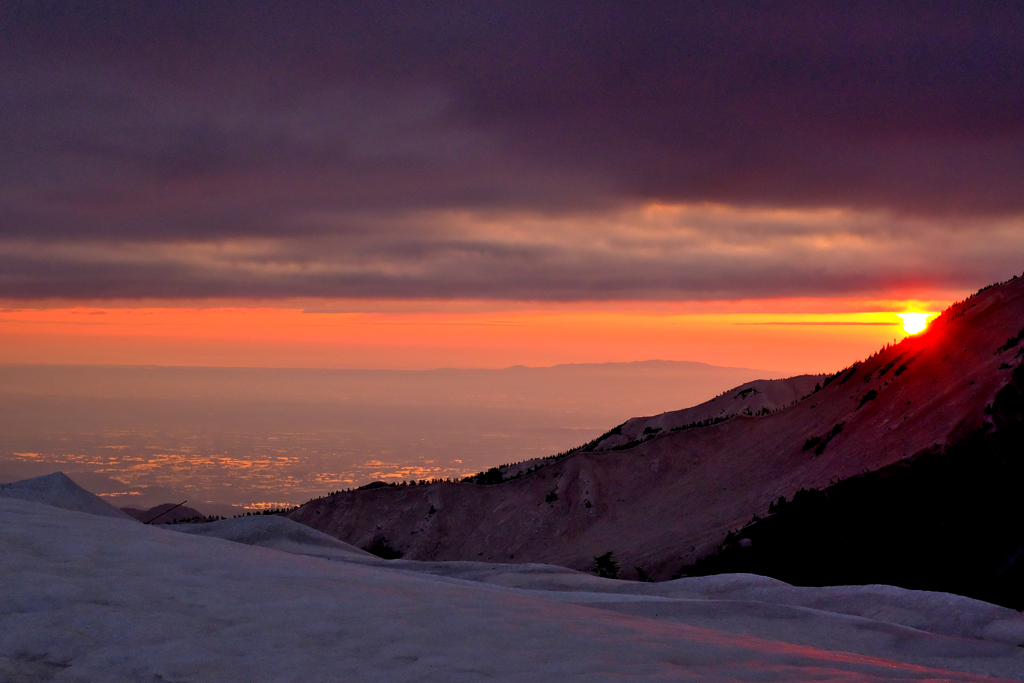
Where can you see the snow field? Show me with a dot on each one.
(88, 598)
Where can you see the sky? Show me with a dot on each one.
(460, 184)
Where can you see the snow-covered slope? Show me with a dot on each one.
(58, 490)
(279, 533)
(93, 599)
(940, 613)
(760, 397)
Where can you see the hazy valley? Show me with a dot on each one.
(142, 436)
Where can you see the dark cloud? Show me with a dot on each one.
(696, 253)
(164, 129)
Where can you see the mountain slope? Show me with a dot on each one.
(672, 500)
(949, 520)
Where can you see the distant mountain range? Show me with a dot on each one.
(903, 468)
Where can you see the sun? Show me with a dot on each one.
(914, 322)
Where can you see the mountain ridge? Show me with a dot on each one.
(672, 499)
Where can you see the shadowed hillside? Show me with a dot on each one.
(167, 513)
(947, 520)
(673, 498)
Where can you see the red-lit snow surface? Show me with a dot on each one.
(90, 598)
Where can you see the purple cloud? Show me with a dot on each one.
(371, 149)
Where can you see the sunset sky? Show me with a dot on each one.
(418, 185)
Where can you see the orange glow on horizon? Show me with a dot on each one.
(790, 336)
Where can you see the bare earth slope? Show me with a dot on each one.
(672, 499)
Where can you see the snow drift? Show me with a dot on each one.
(90, 598)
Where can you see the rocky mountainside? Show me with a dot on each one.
(675, 497)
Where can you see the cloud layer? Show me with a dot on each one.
(489, 150)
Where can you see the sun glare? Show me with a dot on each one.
(914, 322)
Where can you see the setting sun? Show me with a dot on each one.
(914, 322)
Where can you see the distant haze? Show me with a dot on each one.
(255, 436)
